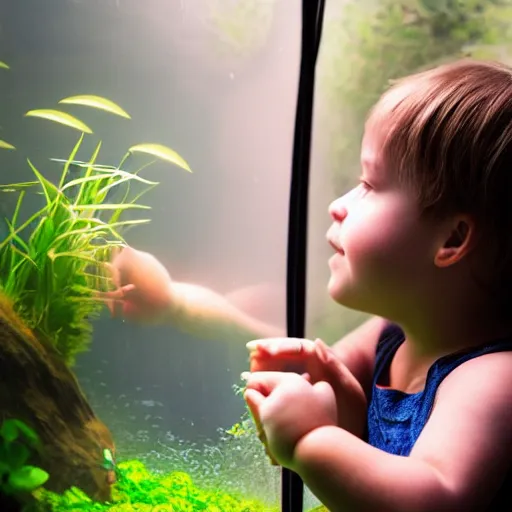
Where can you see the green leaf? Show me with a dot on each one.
(29, 434)
(67, 163)
(126, 177)
(162, 152)
(16, 455)
(9, 430)
(60, 117)
(51, 192)
(4, 468)
(28, 478)
(16, 187)
(3, 65)
(86, 165)
(96, 102)
(6, 145)
(85, 207)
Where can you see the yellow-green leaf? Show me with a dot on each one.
(162, 152)
(60, 117)
(123, 206)
(16, 187)
(3, 65)
(6, 145)
(96, 102)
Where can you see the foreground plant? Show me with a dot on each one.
(53, 261)
(140, 490)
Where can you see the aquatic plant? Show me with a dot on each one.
(54, 262)
(140, 490)
(17, 477)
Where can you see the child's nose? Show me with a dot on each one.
(338, 210)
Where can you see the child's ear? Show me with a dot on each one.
(458, 241)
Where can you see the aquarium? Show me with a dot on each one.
(145, 166)
(165, 126)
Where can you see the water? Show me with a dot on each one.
(216, 83)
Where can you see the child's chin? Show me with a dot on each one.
(336, 292)
(342, 296)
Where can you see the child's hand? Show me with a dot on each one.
(281, 355)
(321, 364)
(286, 407)
(143, 287)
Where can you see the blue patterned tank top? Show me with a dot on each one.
(396, 419)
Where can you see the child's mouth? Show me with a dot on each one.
(336, 247)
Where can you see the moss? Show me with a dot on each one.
(138, 489)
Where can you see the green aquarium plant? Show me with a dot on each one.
(17, 444)
(54, 260)
(139, 490)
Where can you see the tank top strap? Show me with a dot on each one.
(392, 337)
(389, 341)
(446, 364)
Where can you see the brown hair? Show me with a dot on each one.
(448, 134)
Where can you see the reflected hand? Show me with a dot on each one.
(321, 364)
(286, 407)
(143, 287)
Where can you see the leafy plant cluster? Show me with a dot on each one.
(140, 490)
(54, 262)
(368, 43)
(17, 444)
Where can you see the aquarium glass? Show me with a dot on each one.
(136, 406)
(365, 45)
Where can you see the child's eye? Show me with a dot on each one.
(364, 184)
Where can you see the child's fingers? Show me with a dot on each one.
(266, 363)
(281, 346)
(331, 365)
(254, 400)
(116, 299)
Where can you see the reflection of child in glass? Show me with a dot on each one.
(412, 413)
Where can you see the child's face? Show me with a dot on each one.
(384, 248)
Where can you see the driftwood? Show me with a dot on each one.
(38, 388)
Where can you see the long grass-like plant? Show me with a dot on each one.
(54, 263)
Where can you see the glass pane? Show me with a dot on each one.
(365, 44)
(141, 407)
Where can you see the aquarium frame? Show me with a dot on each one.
(292, 487)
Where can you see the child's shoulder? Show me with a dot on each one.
(468, 438)
(488, 371)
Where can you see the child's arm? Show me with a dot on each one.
(146, 293)
(202, 312)
(458, 462)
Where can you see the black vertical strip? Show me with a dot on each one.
(292, 487)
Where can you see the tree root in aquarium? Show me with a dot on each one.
(41, 391)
